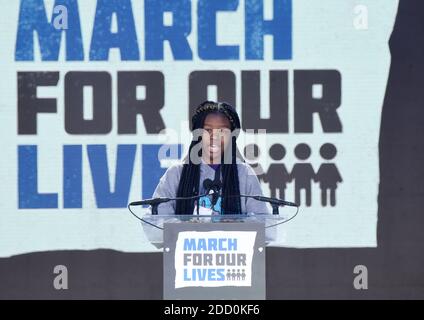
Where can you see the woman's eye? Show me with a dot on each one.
(220, 131)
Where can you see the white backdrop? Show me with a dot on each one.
(325, 36)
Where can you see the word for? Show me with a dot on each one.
(314, 91)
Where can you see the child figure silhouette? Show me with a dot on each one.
(277, 175)
(238, 275)
(328, 175)
(233, 275)
(302, 173)
(228, 274)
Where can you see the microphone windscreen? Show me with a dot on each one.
(207, 184)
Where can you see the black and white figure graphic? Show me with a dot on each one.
(277, 175)
(328, 175)
(303, 174)
(235, 274)
(228, 275)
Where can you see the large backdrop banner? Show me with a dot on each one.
(96, 98)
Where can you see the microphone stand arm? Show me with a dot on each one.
(275, 208)
(154, 207)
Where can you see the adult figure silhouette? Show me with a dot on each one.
(277, 175)
(302, 173)
(328, 175)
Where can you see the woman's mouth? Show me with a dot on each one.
(214, 148)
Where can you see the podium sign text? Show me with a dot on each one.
(214, 260)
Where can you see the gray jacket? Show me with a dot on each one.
(248, 182)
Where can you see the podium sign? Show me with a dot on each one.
(215, 260)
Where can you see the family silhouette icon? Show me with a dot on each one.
(302, 173)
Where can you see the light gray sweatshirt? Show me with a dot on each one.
(248, 182)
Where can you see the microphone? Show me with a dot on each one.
(155, 202)
(214, 186)
(275, 201)
(207, 184)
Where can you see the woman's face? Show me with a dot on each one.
(216, 137)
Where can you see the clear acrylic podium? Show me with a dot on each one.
(153, 225)
(212, 256)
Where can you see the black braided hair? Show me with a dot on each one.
(190, 176)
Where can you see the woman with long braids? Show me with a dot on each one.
(213, 156)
